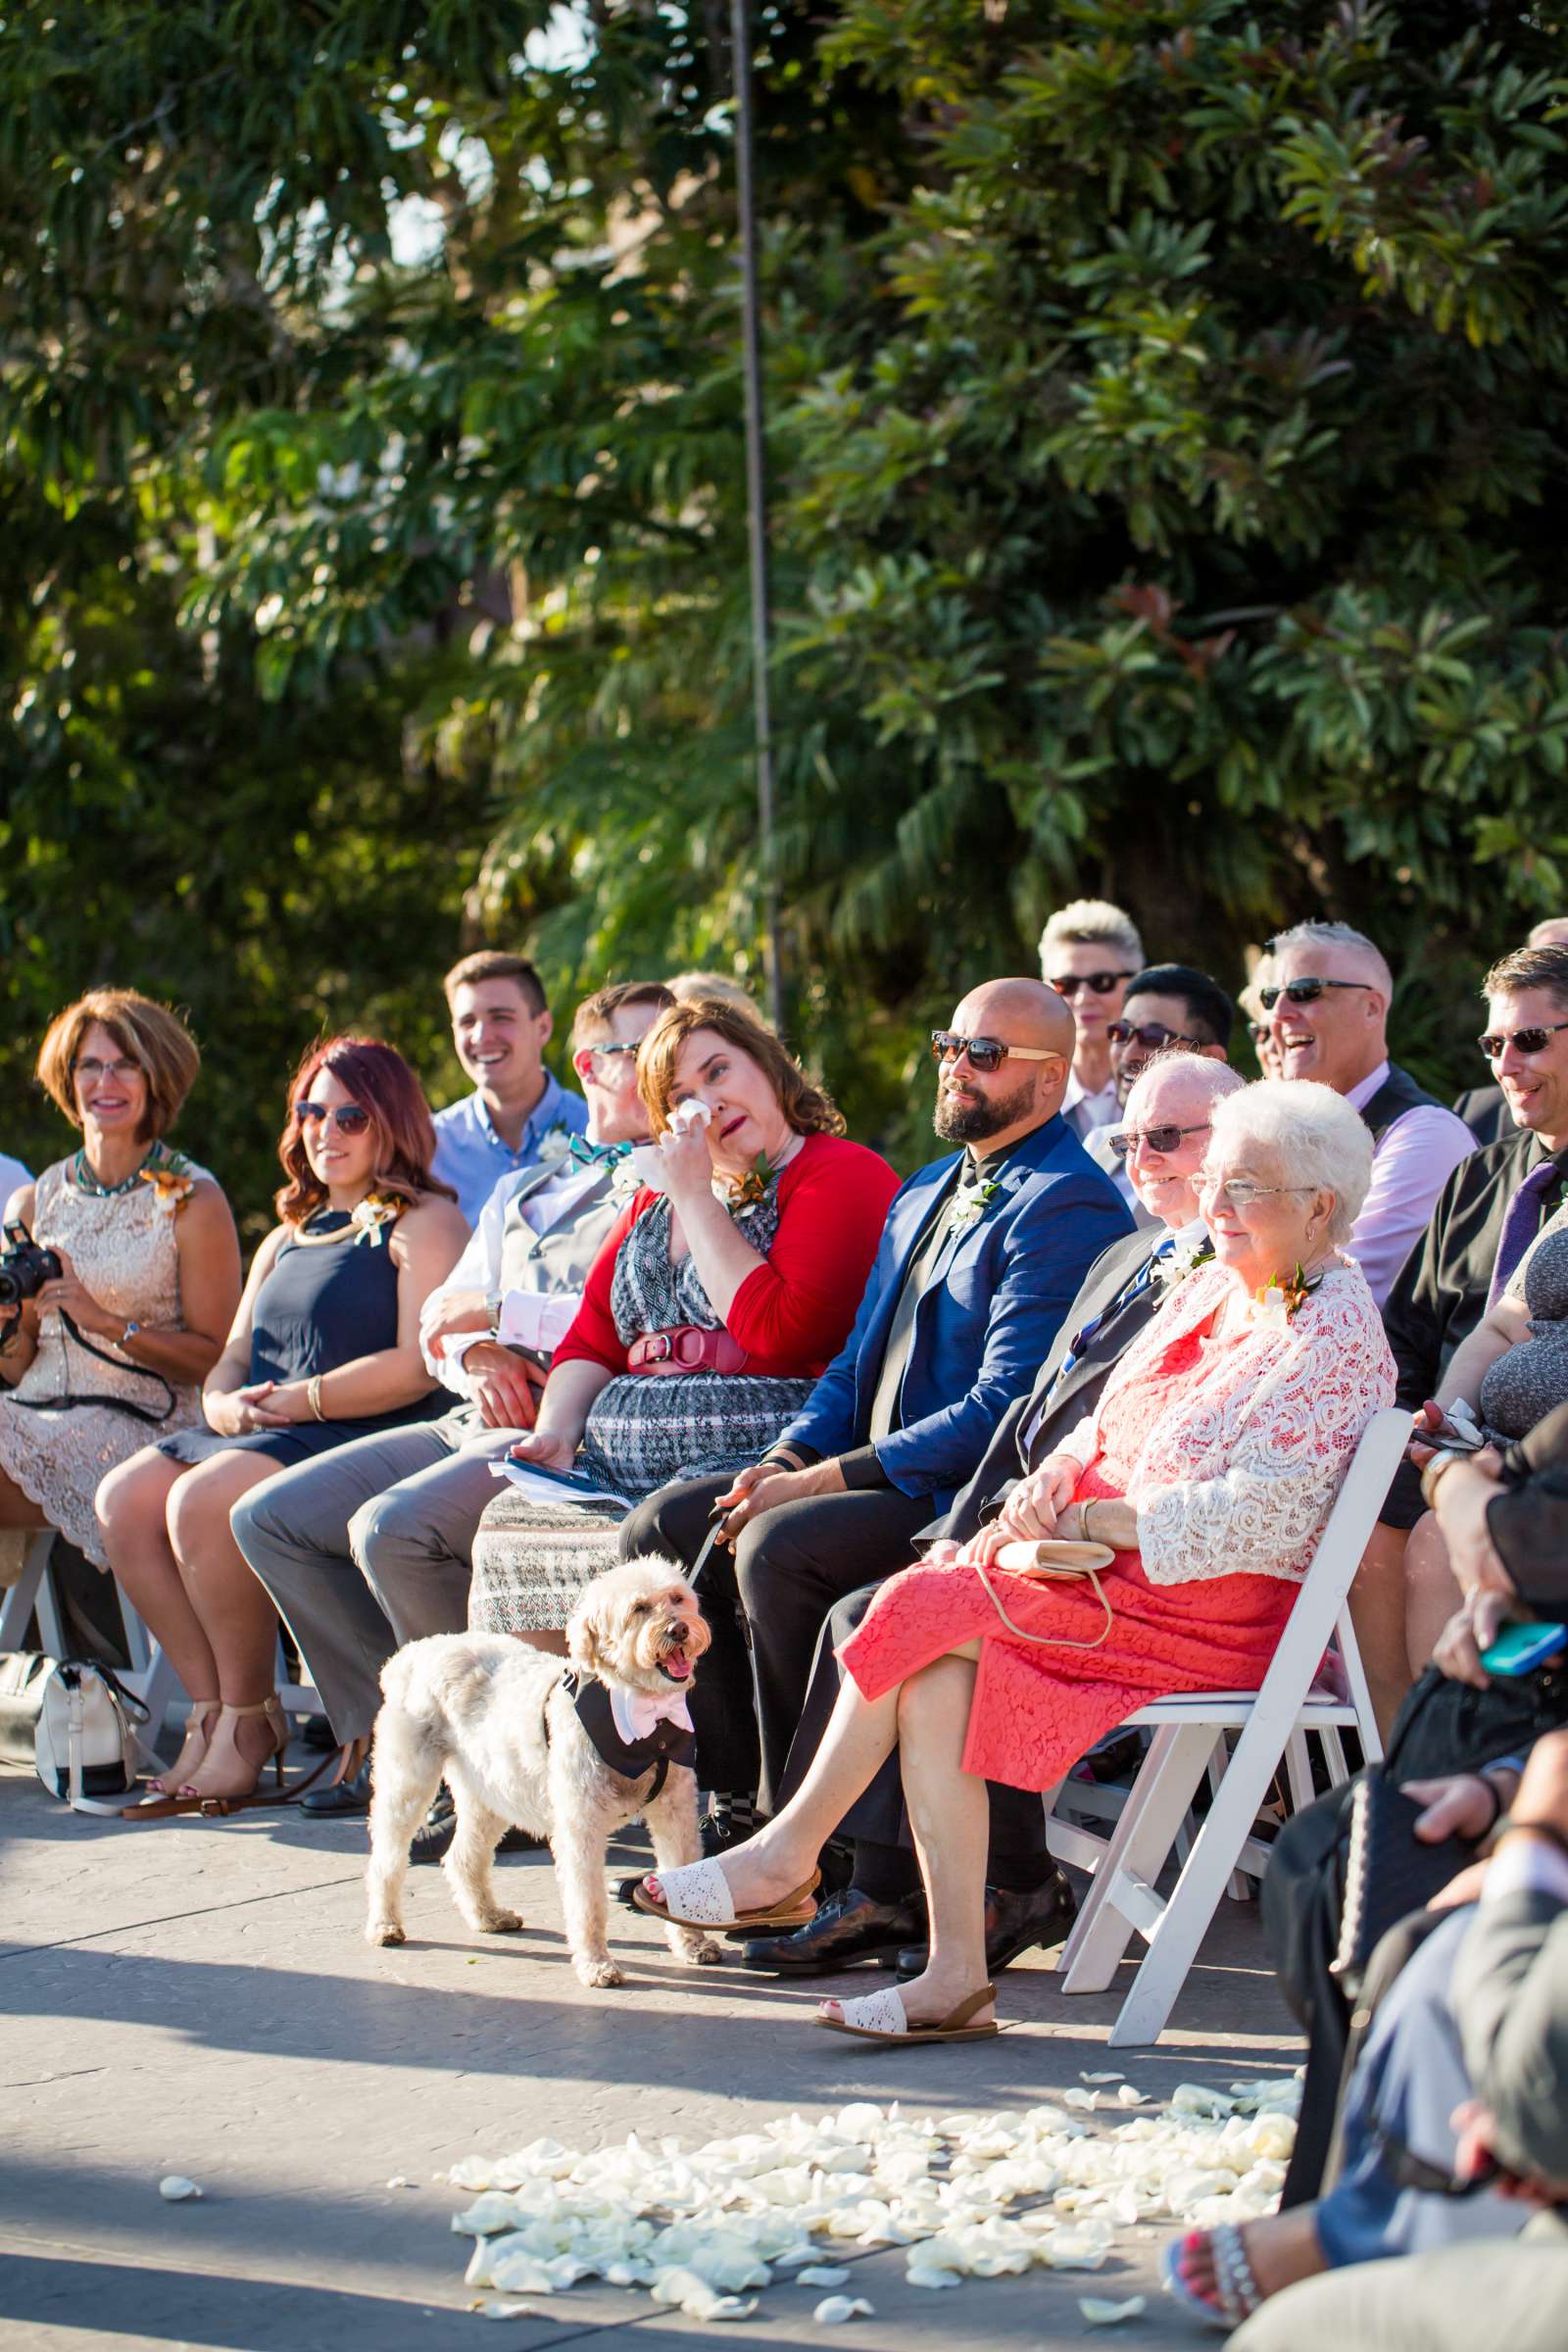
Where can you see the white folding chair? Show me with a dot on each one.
(31, 1590)
(1272, 1723)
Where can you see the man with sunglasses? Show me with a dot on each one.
(1169, 1007)
(1327, 1000)
(1483, 1108)
(1088, 953)
(981, 1256)
(1486, 1217)
(370, 1545)
(1166, 1123)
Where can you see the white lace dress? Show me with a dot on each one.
(123, 1248)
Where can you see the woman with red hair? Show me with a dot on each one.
(324, 1347)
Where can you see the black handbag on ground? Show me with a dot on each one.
(1389, 1872)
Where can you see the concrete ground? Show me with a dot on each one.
(195, 1998)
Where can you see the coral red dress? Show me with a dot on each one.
(1193, 1627)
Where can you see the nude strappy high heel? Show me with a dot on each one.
(200, 1725)
(232, 1774)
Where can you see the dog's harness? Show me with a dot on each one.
(666, 1744)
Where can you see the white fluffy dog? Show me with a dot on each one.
(497, 1720)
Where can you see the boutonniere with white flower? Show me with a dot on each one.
(1174, 1269)
(373, 1218)
(1278, 1304)
(624, 1181)
(553, 1147)
(973, 1206)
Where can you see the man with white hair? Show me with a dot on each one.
(1328, 998)
(1089, 950)
(881, 1912)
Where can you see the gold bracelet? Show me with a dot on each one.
(313, 1395)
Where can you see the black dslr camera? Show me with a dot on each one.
(25, 1265)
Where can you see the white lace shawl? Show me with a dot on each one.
(1240, 1474)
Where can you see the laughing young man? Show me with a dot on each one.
(501, 1025)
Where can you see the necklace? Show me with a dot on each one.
(82, 1177)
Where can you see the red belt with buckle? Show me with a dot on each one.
(686, 1348)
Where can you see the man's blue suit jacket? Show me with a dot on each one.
(986, 1317)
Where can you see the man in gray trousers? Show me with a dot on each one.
(369, 1547)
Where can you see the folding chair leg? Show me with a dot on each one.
(31, 1586)
(1139, 1845)
(1299, 1769)
(1334, 1753)
(1184, 1920)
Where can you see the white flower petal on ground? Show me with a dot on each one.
(1127, 2096)
(823, 2273)
(1102, 2077)
(834, 2310)
(1101, 2314)
(175, 2189)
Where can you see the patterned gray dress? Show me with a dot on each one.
(1531, 1379)
(532, 1559)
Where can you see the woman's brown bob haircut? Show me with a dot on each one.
(152, 1036)
(377, 1078)
(809, 1110)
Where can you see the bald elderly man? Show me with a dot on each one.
(982, 1253)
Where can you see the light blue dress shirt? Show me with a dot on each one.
(472, 1159)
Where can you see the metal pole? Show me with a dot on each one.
(757, 501)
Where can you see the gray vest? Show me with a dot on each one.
(559, 1257)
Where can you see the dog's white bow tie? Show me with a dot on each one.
(634, 1713)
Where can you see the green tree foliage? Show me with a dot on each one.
(1167, 407)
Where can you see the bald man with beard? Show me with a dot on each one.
(982, 1253)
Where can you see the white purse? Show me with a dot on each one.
(86, 1744)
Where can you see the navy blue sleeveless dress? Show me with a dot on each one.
(329, 1298)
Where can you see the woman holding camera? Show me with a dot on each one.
(324, 1347)
(118, 1313)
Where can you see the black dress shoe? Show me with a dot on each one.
(433, 1840)
(352, 1795)
(1017, 1919)
(849, 1926)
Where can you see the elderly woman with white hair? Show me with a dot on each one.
(1209, 1469)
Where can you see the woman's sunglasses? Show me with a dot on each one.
(349, 1118)
(1524, 1040)
(1156, 1139)
(1101, 982)
(1304, 992)
(1150, 1035)
(986, 1053)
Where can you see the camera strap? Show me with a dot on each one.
(114, 1404)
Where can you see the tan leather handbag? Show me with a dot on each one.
(1055, 1560)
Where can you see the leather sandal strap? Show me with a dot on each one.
(966, 2009)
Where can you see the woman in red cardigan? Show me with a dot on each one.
(720, 1295)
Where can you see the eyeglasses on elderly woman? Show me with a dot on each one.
(1239, 1191)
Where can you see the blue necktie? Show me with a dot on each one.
(597, 1155)
(1133, 1287)
(1521, 1225)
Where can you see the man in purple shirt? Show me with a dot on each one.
(1327, 998)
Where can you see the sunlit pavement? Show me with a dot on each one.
(195, 1998)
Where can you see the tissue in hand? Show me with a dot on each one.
(648, 1159)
